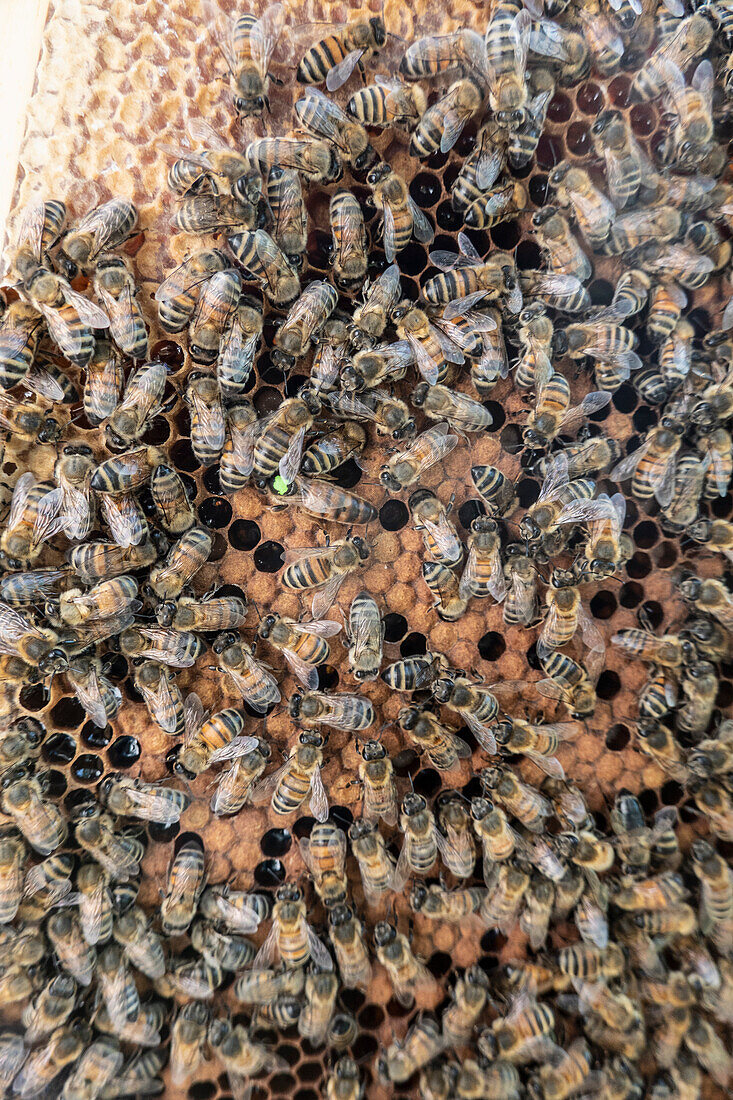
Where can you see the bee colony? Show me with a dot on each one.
(365, 604)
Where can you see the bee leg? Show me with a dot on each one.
(360, 66)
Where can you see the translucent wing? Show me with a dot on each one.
(390, 248)
(555, 477)
(488, 166)
(520, 32)
(306, 673)
(436, 443)
(22, 488)
(179, 281)
(340, 73)
(324, 598)
(337, 850)
(429, 369)
(211, 422)
(159, 701)
(166, 646)
(202, 131)
(329, 118)
(447, 336)
(30, 228)
(290, 462)
(625, 468)
(152, 807)
(87, 692)
(589, 631)
(481, 732)
(460, 306)
(421, 228)
(68, 340)
(41, 382)
(591, 403)
(89, 313)
(216, 298)
(121, 314)
(445, 538)
(548, 40)
(238, 746)
(266, 787)
(319, 952)
(318, 800)
(124, 520)
(251, 688)
(322, 628)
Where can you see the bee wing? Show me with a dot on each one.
(243, 443)
(488, 166)
(625, 468)
(373, 809)
(49, 520)
(265, 788)
(340, 73)
(348, 405)
(87, 692)
(268, 951)
(124, 520)
(216, 298)
(449, 338)
(212, 424)
(460, 306)
(445, 538)
(421, 228)
(307, 674)
(390, 249)
(178, 282)
(44, 384)
(727, 318)
(121, 315)
(203, 132)
(427, 366)
(322, 628)
(589, 631)
(520, 32)
(33, 586)
(69, 342)
(318, 800)
(329, 118)
(246, 687)
(324, 598)
(151, 807)
(592, 402)
(89, 313)
(555, 476)
(30, 228)
(22, 488)
(548, 40)
(481, 732)
(238, 746)
(160, 703)
(167, 643)
(564, 286)
(289, 464)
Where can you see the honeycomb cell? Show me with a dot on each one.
(60, 748)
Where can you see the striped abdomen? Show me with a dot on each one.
(321, 58)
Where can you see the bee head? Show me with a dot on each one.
(379, 31)
(413, 804)
(224, 641)
(389, 480)
(378, 173)
(384, 933)
(50, 430)
(418, 896)
(266, 625)
(419, 394)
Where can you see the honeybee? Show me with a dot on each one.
(50, 1009)
(390, 414)
(171, 498)
(329, 501)
(105, 227)
(590, 963)
(185, 558)
(241, 1056)
(519, 798)
(496, 488)
(565, 615)
(97, 694)
(443, 122)
(324, 854)
(114, 285)
(20, 331)
(127, 472)
(505, 200)
(247, 47)
(461, 412)
(299, 776)
(624, 159)
(77, 957)
(179, 649)
(218, 738)
(215, 306)
(328, 452)
(203, 212)
(349, 240)
(184, 886)
(216, 168)
(440, 743)
(315, 160)
(594, 213)
(709, 1049)
(563, 253)
(499, 841)
(316, 1015)
(450, 602)
(375, 865)
(713, 756)
(63, 1047)
(141, 945)
(291, 936)
(162, 696)
(128, 797)
(140, 405)
(208, 423)
(344, 1081)
(325, 568)
(520, 601)
(342, 711)
(402, 217)
(370, 317)
(236, 783)
(689, 41)
(406, 467)
(568, 1072)
(437, 903)
(137, 1076)
(334, 58)
(262, 987)
(280, 446)
(325, 119)
(235, 910)
(39, 821)
(466, 279)
(507, 43)
(268, 264)
(379, 791)
(524, 1030)
(352, 953)
(119, 854)
(483, 575)
(432, 344)
(422, 1043)
(455, 838)
(33, 514)
(419, 840)
(303, 645)
(409, 977)
(178, 293)
(388, 102)
(430, 516)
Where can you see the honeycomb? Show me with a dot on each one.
(140, 70)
